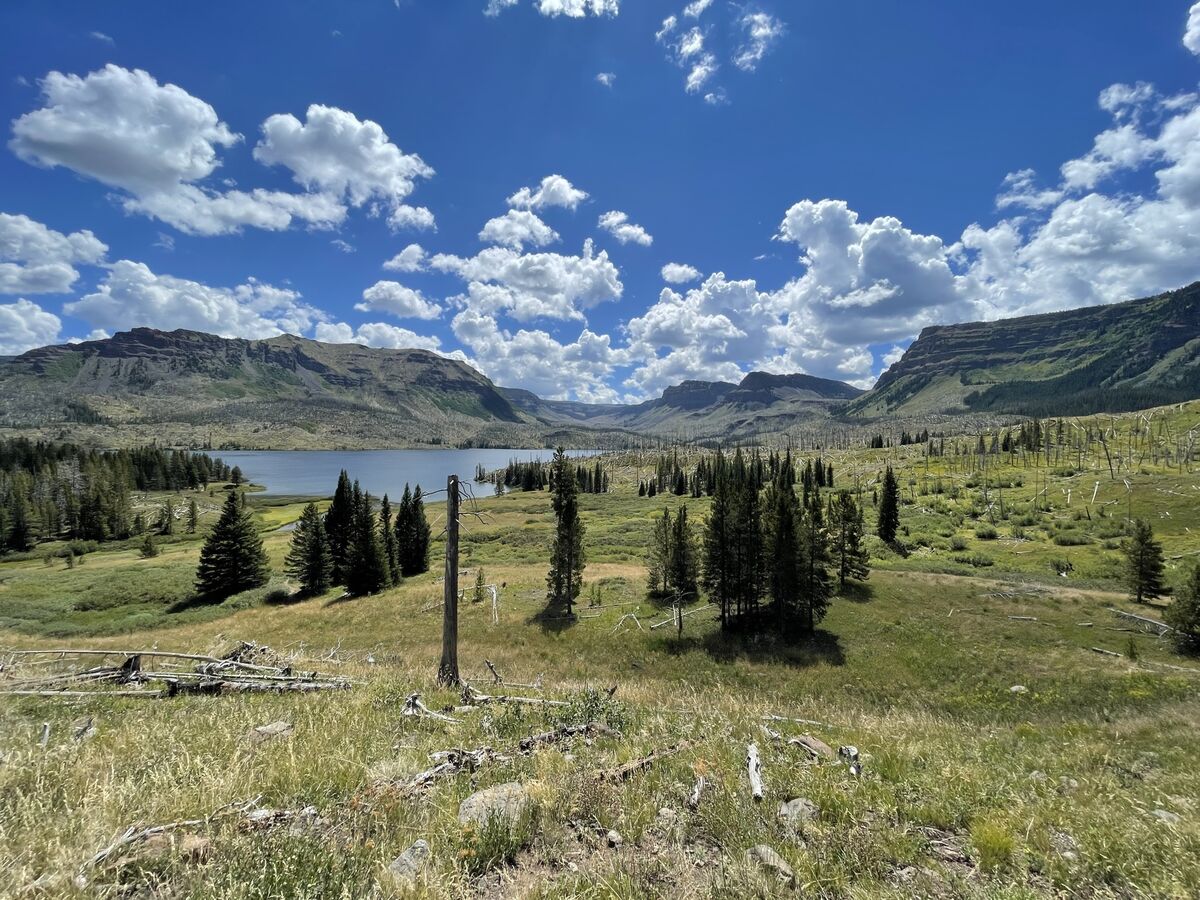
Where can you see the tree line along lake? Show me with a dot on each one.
(314, 473)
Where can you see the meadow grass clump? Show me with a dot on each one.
(993, 844)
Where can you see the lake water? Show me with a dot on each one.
(314, 473)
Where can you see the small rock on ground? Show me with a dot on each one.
(407, 867)
(767, 858)
(615, 840)
(264, 733)
(798, 811)
(502, 801)
(1166, 816)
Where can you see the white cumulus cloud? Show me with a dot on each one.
(1191, 37)
(410, 259)
(518, 228)
(553, 191)
(376, 334)
(399, 300)
(618, 225)
(679, 273)
(25, 325)
(35, 259)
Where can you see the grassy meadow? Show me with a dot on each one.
(1002, 757)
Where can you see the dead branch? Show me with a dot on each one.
(591, 729)
(629, 769)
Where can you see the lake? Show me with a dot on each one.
(314, 473)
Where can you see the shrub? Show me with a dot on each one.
(985, 532)
(957, 544)
(978, 560)
(993, 845)
(1071, 539)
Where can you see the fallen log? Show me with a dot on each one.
(567, 732)
(414, 707)
(473, 697)
(629, 769)
(815, 747)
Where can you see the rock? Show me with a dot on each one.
(615, 840)
(1167, 817)
(796, 812)
(1067, 785)
(502, 801)
(767, 858)
(189, 846)
(264, 733)
(407, 867)
(1038, 776)
(668, 815)
(1064, 845)
(1018, 689)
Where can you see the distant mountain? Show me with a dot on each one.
(760, 403)
(1114, 358)
(283, 391)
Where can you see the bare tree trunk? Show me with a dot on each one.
(448, 670)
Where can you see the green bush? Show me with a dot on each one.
(986, 532)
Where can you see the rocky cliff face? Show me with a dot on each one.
(1099, 359)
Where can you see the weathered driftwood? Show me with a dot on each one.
(697, 791)
(1151, 626)
(471, 696)
(629, 769)
(814, 747)
(754, 769)
(1105, 652)
(448, 762)
(414, 707)
(591, 729)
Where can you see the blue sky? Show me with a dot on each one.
(710, 188)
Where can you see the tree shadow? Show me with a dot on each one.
(552, 620)
(857, 592)
(793, 649)
(194, 601)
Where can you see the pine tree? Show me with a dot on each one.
(21, 536)
(846, 527)
(889, 508)
(718, 570)
(232, 559)
(193, 520)
(658, 566)
(814, 567)
(149, 549)
(781, 552)
(405, 532)
(1184, 612)
(166, 518)
(308, 559)
(339, 519)
(418, 560)
(367, 569)
(387, 534)
(480, 586)
(565, 578)
(682, 573)
(1144, 563)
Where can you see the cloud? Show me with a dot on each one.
(696, 8)
(761, 31)
(618, 225)
(1191, 37)
(1020, 189)
(25, 325)
(606, 78)
(574, 9)
(159, 144)
(132, 295)
(517, 228)
(410, 259)
(35, 259)
(686, 49)
(679, 273)
(553, 191)
(411, 218)
(534, 359)
(344, 246)
(402, 302)
(336, 152)
(529, 286)
(102, 37)
(376, 334)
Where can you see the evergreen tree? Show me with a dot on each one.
(658, 566)
(166, 518)
(193, 520)
(846, 528)
(308, 559)
(718, 569)
(235, 475)
(21, 536)
(480, 586)
(339, 520)
(565, 578)
(889, 508)
(149, 549)
(387, 534)
(682, 574)
(232, 559)
(367, 569)
(418, 561)
(1184, 612)
(781, 552)
(814, 567)
(1144, 563)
